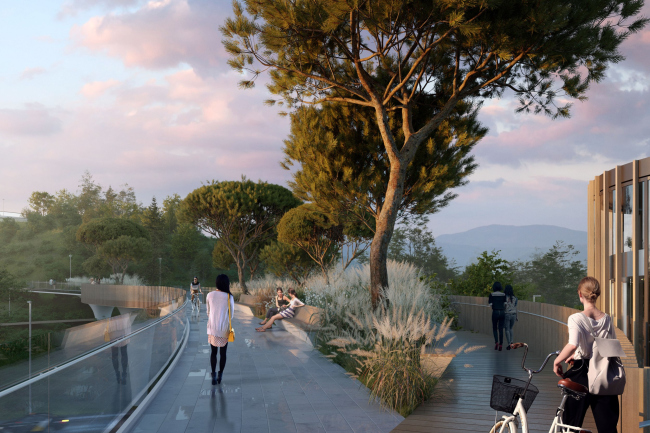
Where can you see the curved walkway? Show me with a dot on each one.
(273, 382)
(461, 402)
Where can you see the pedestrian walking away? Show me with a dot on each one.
(220, 305)
(510, 314)
(497, 301)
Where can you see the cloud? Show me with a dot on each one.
(613, 124)
(162, 137)
(160, 34)
(97, 88)
(31, 121)
(29, 73)
(71, 8)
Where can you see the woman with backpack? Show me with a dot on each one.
(584, 327)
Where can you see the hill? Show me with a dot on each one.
(515, 242)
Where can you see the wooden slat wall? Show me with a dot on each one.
(543, 327)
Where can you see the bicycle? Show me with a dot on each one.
(515, 397)
(196, 302)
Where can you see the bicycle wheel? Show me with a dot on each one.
(496, 428)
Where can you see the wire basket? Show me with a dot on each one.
(506, 392)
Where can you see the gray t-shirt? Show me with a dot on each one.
(580, 334)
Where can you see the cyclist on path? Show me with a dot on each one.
(195, 288)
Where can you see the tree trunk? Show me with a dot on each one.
(324, 270)
(385, 225)
(242, 278)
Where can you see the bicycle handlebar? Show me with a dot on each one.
(523, 361)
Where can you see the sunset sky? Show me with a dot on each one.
(139, 92)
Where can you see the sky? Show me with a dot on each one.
(140, 93)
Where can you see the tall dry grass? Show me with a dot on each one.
(382, 347)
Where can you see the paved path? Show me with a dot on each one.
(273, 382)
(462, 399)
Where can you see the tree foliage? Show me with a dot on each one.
(119, 253)
(185, 244)
(479, 276)
(554, 274)
(95, 232)
(416, 245)
(8, 229)
(284, 260)
(41, 202)
(401, 55)
(115, 241)
(343, 167)
(314, 232)
(240, 214)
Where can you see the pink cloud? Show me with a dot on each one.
(160, 34)
(29, 73)
(33, 120)
(97, 88)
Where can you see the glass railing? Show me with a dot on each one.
(87, 378)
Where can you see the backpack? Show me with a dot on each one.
(606, 373)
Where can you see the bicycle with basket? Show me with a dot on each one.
(515, 397)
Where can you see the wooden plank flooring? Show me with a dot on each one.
(462, 399)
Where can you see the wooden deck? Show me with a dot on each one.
(462, 399)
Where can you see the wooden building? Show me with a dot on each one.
(618, 249)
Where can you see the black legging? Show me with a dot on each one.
(271, 312)
(222, 357)
(604, 407)
(125, 358)
(498, 319)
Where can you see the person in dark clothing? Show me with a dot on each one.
(497, 301)
(281, 302)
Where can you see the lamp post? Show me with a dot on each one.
(70, 255)
(160, 271)
(30, 355)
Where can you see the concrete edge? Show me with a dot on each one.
(286, 324)
(135, 416)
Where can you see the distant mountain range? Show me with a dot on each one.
(515, 242)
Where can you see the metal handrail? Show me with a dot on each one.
(519, 311)
(79, 358)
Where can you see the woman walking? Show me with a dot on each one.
(511, 314)
(284, 314)
(497, 300)
(220, 306)
(281, 302)
(578, 352)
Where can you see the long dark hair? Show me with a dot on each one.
(223, 283)
(509, 292)
(197, 280)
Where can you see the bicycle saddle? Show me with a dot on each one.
(572, 387)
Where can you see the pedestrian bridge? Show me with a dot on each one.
(148, 371)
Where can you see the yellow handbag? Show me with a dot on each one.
(107, 334)
(231, 334)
